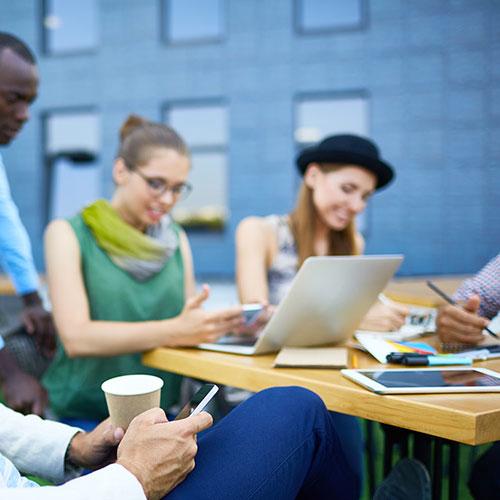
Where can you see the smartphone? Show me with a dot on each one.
(251, 312)
(198, 402)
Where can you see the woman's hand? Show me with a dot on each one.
(256, 327)
(195, 325)
(385, 317)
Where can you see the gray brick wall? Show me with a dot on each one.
(431, 70)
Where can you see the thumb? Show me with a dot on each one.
(198, 299)
(112, 435)
(472, 304)
(118, 434)
(28, 324)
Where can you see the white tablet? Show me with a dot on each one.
(426, 380)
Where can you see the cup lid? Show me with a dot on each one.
(130, 385)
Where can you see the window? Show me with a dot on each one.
(312, 16)
(69, 26)
(72, 145)
(318, 116)
(192, 20)
(204, 126)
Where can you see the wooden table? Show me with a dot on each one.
(466, 418)
(6, 287)
(415, 290)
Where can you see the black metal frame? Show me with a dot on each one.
(429, 450)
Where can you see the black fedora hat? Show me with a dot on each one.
(349, 149)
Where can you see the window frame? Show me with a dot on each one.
(46, 160)
(198, 41)
(300, 30)
(221, 149)
(44, 39)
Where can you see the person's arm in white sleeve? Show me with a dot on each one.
(35, 446)
(113, 482)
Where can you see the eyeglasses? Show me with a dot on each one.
(159, 187)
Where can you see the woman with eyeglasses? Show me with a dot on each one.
(340, 174)
(120, 277)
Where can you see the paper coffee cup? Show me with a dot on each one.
(129, 395)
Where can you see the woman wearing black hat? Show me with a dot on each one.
(339, 176)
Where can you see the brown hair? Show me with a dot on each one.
(140, 137)
(303, 226)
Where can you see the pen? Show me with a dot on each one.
(385, 300)
(448, 299)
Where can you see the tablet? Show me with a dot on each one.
(426, 380)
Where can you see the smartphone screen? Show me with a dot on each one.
(251, 312)
(198, 402)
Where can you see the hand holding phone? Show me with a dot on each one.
(198, 402)
(251, 313)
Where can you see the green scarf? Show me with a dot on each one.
(140, 254)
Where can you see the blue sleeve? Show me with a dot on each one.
(15, 249)
(2, 343)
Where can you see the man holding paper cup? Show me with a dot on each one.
(280, 443)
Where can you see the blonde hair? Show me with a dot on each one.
(140, 137)
(303, 225)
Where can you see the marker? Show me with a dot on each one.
(435, 360)
(448, 299)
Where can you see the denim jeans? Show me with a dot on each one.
(282, 443)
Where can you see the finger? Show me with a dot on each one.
(196, 423)
(462, 317)
(28, 324)
(118, 434)
(152, 416)
(191, 425)
(38, 405)
(472, 304)
(198, 299)
(112, 435)
(400, 309)
(218, 329)
(464, 338)
(460, 331)
(233, 313)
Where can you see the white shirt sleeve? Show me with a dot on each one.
(33, 445)
(113, 482)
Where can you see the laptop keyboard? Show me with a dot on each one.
(237, 340)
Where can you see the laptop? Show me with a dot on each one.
(325, 303)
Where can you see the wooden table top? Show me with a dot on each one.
(467, 418)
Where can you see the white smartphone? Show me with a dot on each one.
(251, 312)
(198, 402)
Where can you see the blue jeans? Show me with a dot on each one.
(281, 443)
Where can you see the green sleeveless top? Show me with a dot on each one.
(74, 384)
